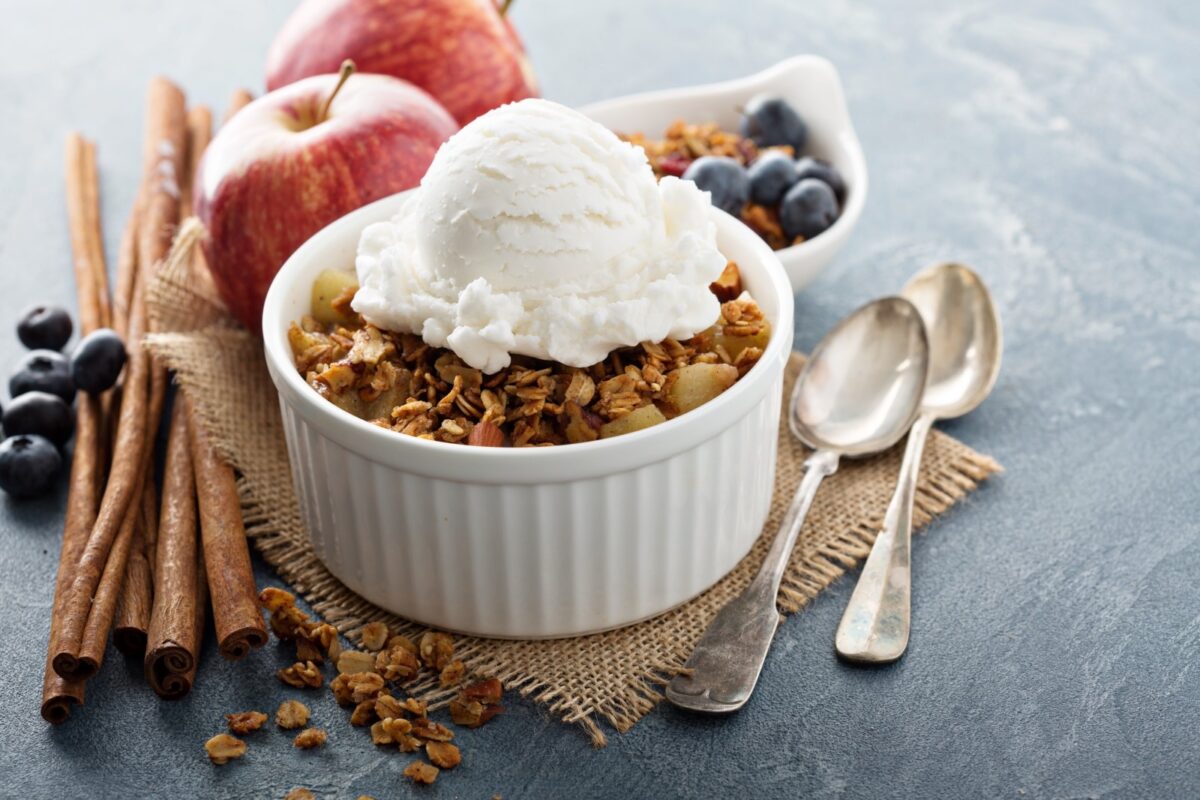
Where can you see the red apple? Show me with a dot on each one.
(279, 171)
(463, 52)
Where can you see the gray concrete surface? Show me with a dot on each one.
(1057, 631)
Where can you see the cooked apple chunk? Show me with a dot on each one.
(331, 294)
(640, 418)
(695, 384)
(734, 345)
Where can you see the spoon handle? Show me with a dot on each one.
(722, 671)
(874, 628)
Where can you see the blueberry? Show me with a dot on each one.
(770, 176)
(44, 328)
(28, 465)
(809, 167)
(808, 208)
(724, 179)
(98, 360)
(770, 122)
(43, 371)
(41, 414)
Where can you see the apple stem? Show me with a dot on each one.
(504, 6)
(343, 75)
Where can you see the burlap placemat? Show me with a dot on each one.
(615, 676)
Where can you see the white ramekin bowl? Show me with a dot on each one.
(811, 84)
(531, 542)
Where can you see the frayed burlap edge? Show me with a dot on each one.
(222, 368)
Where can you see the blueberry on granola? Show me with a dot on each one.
(771, 121)
(724, 179)
(808, 209)
(770, 177)
(809, 167)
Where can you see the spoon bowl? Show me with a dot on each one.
(861, 388)
(965, 341)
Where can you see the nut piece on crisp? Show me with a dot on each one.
(486, 434)
(305, 675)
(223, 748)
(309, 738)
(694, 385)
(452, 674)
(353, 661)
(728, 284)
(420, 772)
(245, 721)
(292, 714)
(443, 754)
(300, 793)
(374, 635)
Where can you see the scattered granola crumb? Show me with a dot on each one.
(309, 738)
(420, 772)
(388, 707)
(245, 721)
(292, 714)
(300, 793)
(437, 649)
(430, 731)
(306, 675)
(363, 713)
(443, 754)
(353, 661)
(452, 674)
(397, 663)
(374, 635)
(223, 748)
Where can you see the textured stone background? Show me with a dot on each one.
(1057, 631)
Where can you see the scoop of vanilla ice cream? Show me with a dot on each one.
(537, 231)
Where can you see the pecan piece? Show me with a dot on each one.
(223, 748)
(245, 722)
(291, 714)
(302, 675)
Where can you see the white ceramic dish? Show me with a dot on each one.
(811, 84)
(535, 542)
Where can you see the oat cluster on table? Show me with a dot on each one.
(369, 682)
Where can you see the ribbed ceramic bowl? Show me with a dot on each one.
(533, 542)
(812, 86)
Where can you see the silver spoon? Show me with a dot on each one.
(964, 352)
(858, 394)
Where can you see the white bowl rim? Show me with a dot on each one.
(532, 464)
(845, 138)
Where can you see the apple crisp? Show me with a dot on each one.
(398, 382)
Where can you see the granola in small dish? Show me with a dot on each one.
(398, 382)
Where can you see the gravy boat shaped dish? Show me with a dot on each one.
(812, 86)
(531, 542)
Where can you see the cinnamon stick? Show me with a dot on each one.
(126, 273)
(59, 695)
(177, 621)
(88, 611)
(226, 553)
(91, 190)
(240, 99)
(137, 591)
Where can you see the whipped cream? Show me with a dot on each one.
(537, 231)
